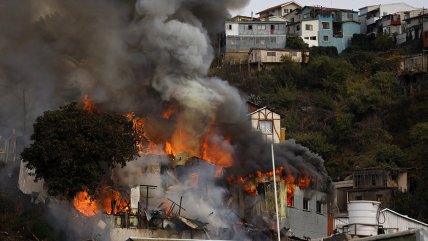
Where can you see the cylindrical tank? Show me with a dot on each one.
(363, 217)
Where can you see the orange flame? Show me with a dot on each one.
(168, 112)
(88, 105)
(108, 199)
(82, 202)
(217, 153)
(168, 149)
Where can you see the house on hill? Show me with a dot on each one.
(267, 122)
(374, 184)
(279, 10)
(369, 15)
(241, 36)
(266, 58)
(319, 26)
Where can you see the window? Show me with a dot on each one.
(266, 127)
(325, 38)
(271, 53)
(290, 202)
(118, 221)
(273, 40)
(319, 207)
(230, 26)
(286, 10)
(250, 27)
(305, 204)
(309, 27)
(133, 221)
(350, 16)
(325, 25)
(298, 27)
(313, 38)
(373, 180)
(306, 37)
(305, 16)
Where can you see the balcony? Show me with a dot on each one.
(371, 20)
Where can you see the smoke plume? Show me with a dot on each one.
(135, 56)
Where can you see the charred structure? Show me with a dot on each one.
(148, 59)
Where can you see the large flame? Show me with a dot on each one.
(83, 203)
(283, 174)
(108, 201)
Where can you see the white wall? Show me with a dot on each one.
(395, 222)
(234, 30)
(393, 8)
(310, 33)
(308, 223)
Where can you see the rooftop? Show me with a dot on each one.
(278, 6)
(387, 4)
(331, 9)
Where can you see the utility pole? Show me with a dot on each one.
(275, 194)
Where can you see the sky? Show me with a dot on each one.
(258, 5)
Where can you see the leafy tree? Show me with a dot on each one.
(328, 73)
(419, 133)
(316, 142)
(383, 43)
(391, 155)
(296, 43)
(288, 74)
(342, 127)
(73, 149)
(323, 51)
(363, 96)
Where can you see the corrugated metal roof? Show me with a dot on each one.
(400, 221)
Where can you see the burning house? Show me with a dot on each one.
(201, 171)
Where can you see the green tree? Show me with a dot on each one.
(315, 141)
(390, 155)
(73, 148)
(296, 43)
(363, 96)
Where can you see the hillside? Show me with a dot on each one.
(353, 109)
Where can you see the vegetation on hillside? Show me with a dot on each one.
(349, 108)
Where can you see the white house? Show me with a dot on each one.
(266, 121)
(369, 15)
(280, 10)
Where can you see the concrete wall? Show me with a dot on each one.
(325, 32)
(123, 234)
(348, 29)
(308, 223)
(308, 34)
(231, 28)
(26, 182)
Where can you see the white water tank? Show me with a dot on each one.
(363, 217)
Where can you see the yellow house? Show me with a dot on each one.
(266, 121)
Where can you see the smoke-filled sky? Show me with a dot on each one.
(136, 56)
(256, 6)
